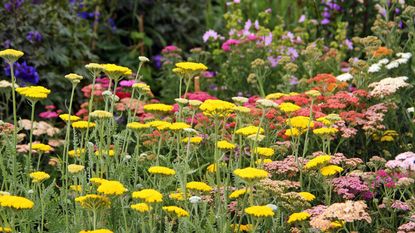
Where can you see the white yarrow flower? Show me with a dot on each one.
(393, 64)
(344, 77)
(374, 68)
(404, 55)
(410, 110)
(383, 61)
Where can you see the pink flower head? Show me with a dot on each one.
(48, 115)
(127, 83)
(169, 49)
(227, 45)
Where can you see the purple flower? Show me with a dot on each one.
(349, 44)
(268, 39)
(209, 74)
(13, 5)
(210, 34)
(157, 61)
(325, 21)
(7, 44)
(247, 26)
(23, 72)
(274, 61)
(112, 24)
(292, 52)
(301, 19)
(256, 25)
(34, 37)
(293, 80)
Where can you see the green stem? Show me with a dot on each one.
(32, 117)
(14, 159)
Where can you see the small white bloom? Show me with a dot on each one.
(266, 103)
(410, 110)
(127, 157)
(273, 207)
(254, 137)
(404, 55)
(4, 193)
(383, 61)
(374, 68)
(240, 100)
(181, 101)
(143, 59)
(30, 191)
(344, 77)
(393, 64)
(190, 130)
(195, 103)
(402, 60)
(195, 199)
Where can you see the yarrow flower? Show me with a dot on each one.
(137, 126)
(249, 130)
(94, 68)
(161, 170)
(250, 173)
(141, 207)
(192, 140)
(300, 122)
(317, 161)
(325, 131)
(111, 187)
(65, 117)
(75, 168)
(237, 193)
(83, 125)
(298, 217)
(115, 71)
(40, 147)
(199, 186)
(264, 151)
(164, 108)
(216, 108)
(76, 153)
(39, 176)
(307, 196)
(330, 170)
(190, 67)
(100, 114)
(74, 78)
(387, 86)
(97, 231)
(33, 93)
(179, 126)
(148, 195)
(259, 211)
(179, 212)
(288, 107)
(11, 55)
(93, 201)
(225, 145)
(15, 202)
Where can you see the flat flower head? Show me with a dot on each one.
(141, 207)
(298, 217)
(65, 117)
(191, 67)
(160, 170)
(39, 176)
(330, 170)
(237, 193)
(93, 201)
(264, 151)
(325, 131)
(74, 78)
(5, 229)
(97, 231)
(148, 195)
(95, 68)
(115, 72)
(100, 114)
(76, 153)
(199, 186)
(275, 96)
(178, 196)
(111, 187)
(75, 168)
(300, 122)
(242, 227)
(43, 148)
(177, 211)
(176, 126)
(292, 132)
(11, 55)
(259, 211)
(158, 108)
(33, 93)
(225, 145)
(250, 173)
(216, 108)
(97, 180)
(82, 125)
(15, 202)
(288, 107)
(320, 160)
(249, 130)
(307, 196)
(137, 126)
(193, 140)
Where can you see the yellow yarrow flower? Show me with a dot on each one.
(193, 140)
(81, 125)
(76, 153)
(39, 176)
(141, 207)
(75, 168)
(313, 93)
(161, 108)
(97, 180)
(330, 170)
(263, 161)
(241, 228)
(76, 188)
(40, 147)
(111, 187)
(160, 170)
(97, 231)
(74, 78)
(275, 96)
(179, 212)
(249, 130)
(300, 122)
(259, 211)
(5, 229)
(216, 108)
(65, 117)
(288, 107)
(225, 145)
(237, 193)
(115, 71)
(33, 93)
(137, 126)
(177, 196)
(93, 201)
(250, 173)
(94, 68)
(11, 55)
(16, 202)
(298, 217)
(100, 114)
(264, 151)
(148, 195)
(191, 66)
(199, 186)
(317, 161)
(307, 196)
(292, 132)
(178, 126)
(325, 131)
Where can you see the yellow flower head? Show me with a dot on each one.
(97, 231)
(81, 125)
(97, 180)
(241, 109)
(179, 212)
(5, 229)
(93, 201)
(212, 167)
(161, 170)
(313, 93)
(95, 68)
(109, 153)
(259, 211)
(74, 78)
(16, 202)
(100, 114)
(330, 170)
(191, 67)
(300, 122)
(263, 161)
(242, 228)
(75, 168)
(76, 153)
(39, 176)
(249, 130)
(298, 217)
(251, 173)
(111, 187)
(193, 140)
(40, 147)
(148, 195)
(158, 108)
(237, 193)
(115, 71)
(137, 126)
(292, 132)
(199, 186)
(225, 145)
(33, 93)
(275, 96)
(317, 161)
(11, 55)
(307, 196)
(142, 87)
(264, 151)
(176, 126)
(76, 188)
(288, 107)
(65, 117)
(325, 131)
(216, 108)
(141, 207)
(179, 196)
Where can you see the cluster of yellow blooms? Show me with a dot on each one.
(101, 114)
(225, 145)
(39, 176)
(179, 212)
(40, 147)
(288, 107)
(160, 170)
(251, 173)
(116, 71)
(297, 217)
(237, 193)
(97, 231)
(33, 93)
(72, 118)
(198, 186)
(216, 108)
(81, 125)
(249, 130)
(15, 202)
(148, 195)
(111, 187)
(193, 140)
(189, 68)
(158, 108)
(141, 207)
(260, 211)
(11, 55)
(93, 201)
(264, 151)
